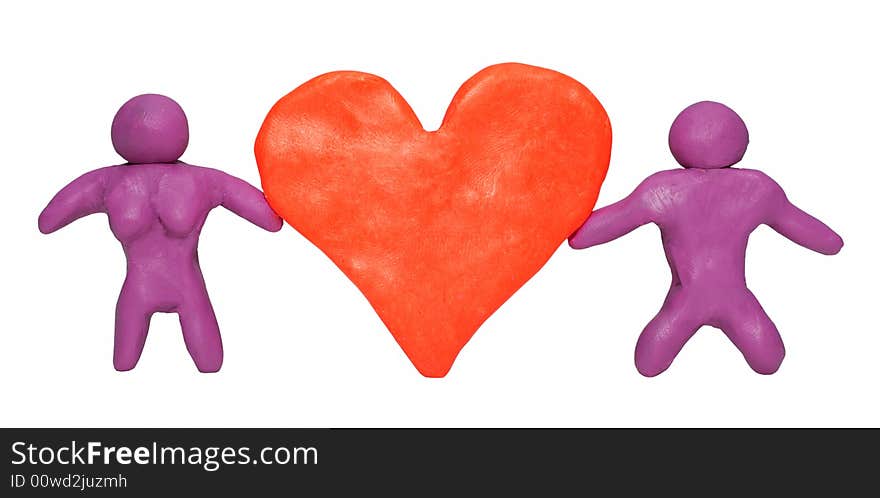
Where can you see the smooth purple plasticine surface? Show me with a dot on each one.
(705, 214)
(708, 135)
(157, 211)
(150, 129)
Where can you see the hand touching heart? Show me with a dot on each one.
(437, 229)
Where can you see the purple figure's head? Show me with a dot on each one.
(150, 129)
(708, 135)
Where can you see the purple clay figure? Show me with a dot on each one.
(157, 206)
(705, 213)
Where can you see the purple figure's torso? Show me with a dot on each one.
(157, 211)
(705, 214)
(157, 214)
(707, 246)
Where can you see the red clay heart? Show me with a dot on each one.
(437, 229)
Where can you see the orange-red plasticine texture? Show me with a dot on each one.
(437, 229)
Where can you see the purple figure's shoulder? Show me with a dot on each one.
(723, 177)
(184, 194)
(701, 199)
(662, 192)
(755, 178)
(207, 188)
(664, 176)
(240, 197)
(666, 192)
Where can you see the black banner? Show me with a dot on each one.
(131, 462)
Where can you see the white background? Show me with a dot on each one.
(303, 347)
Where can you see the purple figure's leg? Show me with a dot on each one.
(666, 334)
(754, 334)
(132, 322)
(201, 332)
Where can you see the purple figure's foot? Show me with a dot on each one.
(750, 329)
(132, 322)
(666, 334)
(136, 306)
(741, 319)
(128, 344)
(201, 334)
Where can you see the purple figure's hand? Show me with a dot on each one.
(803, 229)
(247, 201)
(82, 197)
(611, 222)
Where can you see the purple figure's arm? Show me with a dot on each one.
(802, 229)
(613, 221)
(82, 197)
(246, 201)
